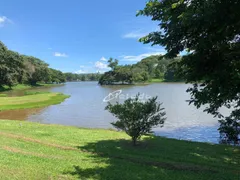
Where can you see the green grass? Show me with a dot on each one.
(37, 151)
(156, 80)
(3, 95)
(17, 87)
(31, 101)
(26, 86)
(27, 93)
(164, 80)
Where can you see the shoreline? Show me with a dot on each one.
(31, 100)
(26, 87)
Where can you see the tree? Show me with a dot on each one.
(17, 68)
(124, 74)
(56, 76)
(209, 31)
(83, 78)
(36, 70)
(113, 63)
(137, 118)
(107, 78)
(11, 66)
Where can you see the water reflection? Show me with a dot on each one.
(85, 108)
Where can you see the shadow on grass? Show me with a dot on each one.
(118, 159)
(2, 89)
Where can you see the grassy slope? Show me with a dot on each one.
(31, 101)
(163, 80)
(37, 151)
(156, 80)
(25, 86)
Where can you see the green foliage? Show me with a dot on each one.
(113, 63)
(152, 67)
(36, 70)
(209, 32)
(16, 68)
(171, 73)
(107, 78)
(82, 77)
(230, 129)
(56, 76)
(11, 66)
(137, 118)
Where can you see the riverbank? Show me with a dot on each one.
(37, 151)
(151, 81)
(165, 81)
(31, 100)
(157, 81)
(26, 86)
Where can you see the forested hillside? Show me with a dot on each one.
(16, 68)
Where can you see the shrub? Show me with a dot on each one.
(137, 118)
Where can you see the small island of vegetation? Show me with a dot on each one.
(151, 69)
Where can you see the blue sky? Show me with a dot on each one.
(75, 35)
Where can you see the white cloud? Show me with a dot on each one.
(4, 20)
(82, 66)
(81, 72)
(103, 59)
(58, 54)
(141, 56)
(101, 65)
(134, 35)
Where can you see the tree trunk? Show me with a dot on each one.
(134, 141)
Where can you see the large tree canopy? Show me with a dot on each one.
(11, 66)
(17, 68)
(209, 31)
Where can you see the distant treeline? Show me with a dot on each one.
(153, 67)
(16, 68)
(82, 77)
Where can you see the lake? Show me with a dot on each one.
(85, 108)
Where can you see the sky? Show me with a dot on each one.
(75, 35)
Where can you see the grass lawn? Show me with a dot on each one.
(37, 151)
(25, 86)
(31, 101)
(156, 80)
